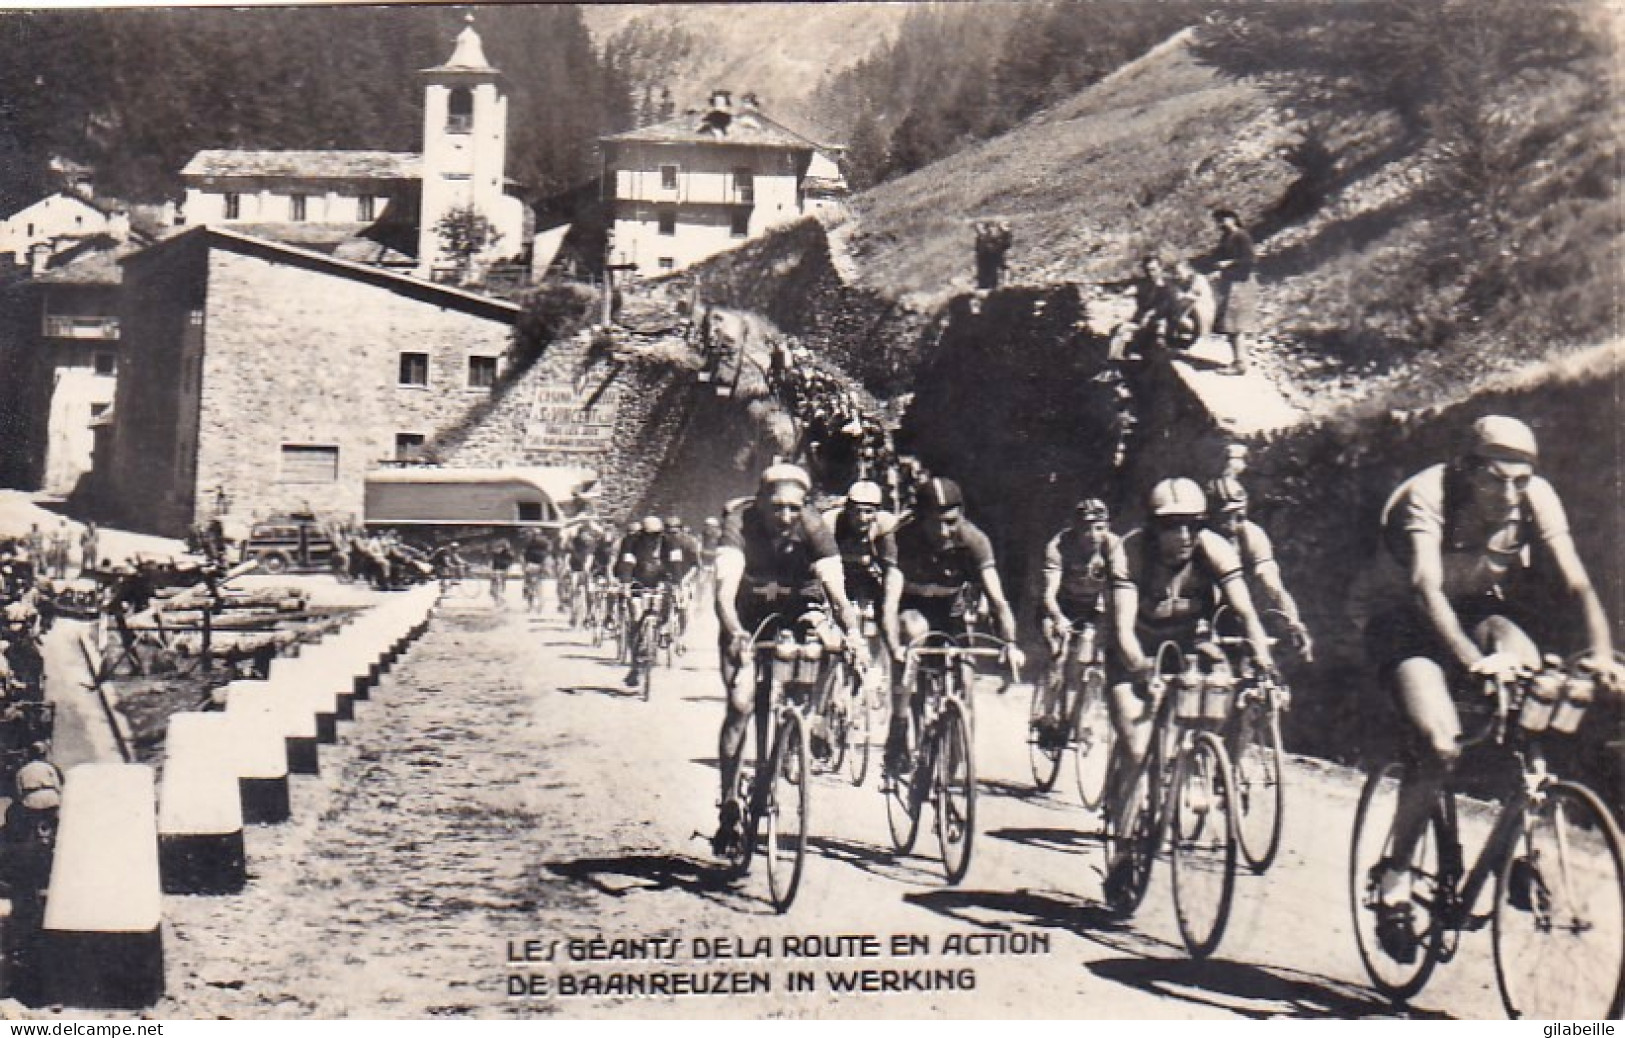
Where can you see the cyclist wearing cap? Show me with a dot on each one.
(1166, 579)
(775, 558)
(862, 529)
(1227, 500)
(683, 560)
(932, 558)
(645, 565)
(1452, 536)
(1077, 575)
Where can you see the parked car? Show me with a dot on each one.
(297, 543)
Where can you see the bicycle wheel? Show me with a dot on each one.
(1093, 739)
(1260, 786)
(644, 645)
(829, 746)
(1203, 858)
(903, 802)
(1139, 838)
(1370, 848)
(1560, 912)
(955, 790)
(1044, 748)
(787, 811)
(859, 724)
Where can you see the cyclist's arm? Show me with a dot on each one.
(1236, 595)
(1052, 583)
(889, 603)
(730, 570)
(831, 573)
(1268, 574)
(993, 588)
(1578, 583)
(1125, 605)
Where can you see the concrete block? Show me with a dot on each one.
(284, 714)
(200, 809)
(102, 940)
(259, 753)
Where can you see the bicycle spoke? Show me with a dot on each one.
(956, 792)
(1372, 846)
(1204, 845)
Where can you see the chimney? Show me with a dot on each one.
(750, 102)
(39, 257)
(118, 225)
(721, 100)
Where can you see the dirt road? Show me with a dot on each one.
(502, 795)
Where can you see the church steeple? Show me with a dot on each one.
(465, 140)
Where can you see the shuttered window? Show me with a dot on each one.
(309, 463)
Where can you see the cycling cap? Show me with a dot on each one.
(1499, 438)
(1177, 497)
(674, 522)
(864, 492)
(712, 520)
(786, 473)
(653, 525)
(1226, 494)
(1237, 451)
(941, 494)
(1093, 510)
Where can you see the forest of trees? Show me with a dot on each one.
(135, 93)
(959, 73)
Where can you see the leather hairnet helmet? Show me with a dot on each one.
(652, 524)
(863, 492)
(1177, 498)
(1093, 510)
(1499, 438)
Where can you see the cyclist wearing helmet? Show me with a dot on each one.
(861, 529)
(1166, 579)
(1227, 501)
(683, 559)
(933, 557)
(1077, 575)
(1452, 536)
(644, 565)
(775, 558)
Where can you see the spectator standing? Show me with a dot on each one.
(1237, 290)
(1193, 306)
(89, 541)
(993, 240)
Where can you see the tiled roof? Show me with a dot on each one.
(747, 128)
(96, 263)
(320, 237)
(375, 165)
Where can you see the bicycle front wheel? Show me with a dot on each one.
(1370, 850)
(1560, 912)
(787, 811)
(1093, 740)
(859, 724)
(903, 805)
(1204, 844)
(1260, 789)
(955, 790)
(1045, 745)
(644, 646)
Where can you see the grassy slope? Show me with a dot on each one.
(1360, 300)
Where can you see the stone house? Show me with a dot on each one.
(690, 187)
(266, 378)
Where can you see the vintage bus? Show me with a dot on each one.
(429, 506)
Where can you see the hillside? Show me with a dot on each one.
(780, 51)
(1390, 279)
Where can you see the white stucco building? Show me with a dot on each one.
(690, 187)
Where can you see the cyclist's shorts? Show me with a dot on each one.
(1404, 633)
(1081, 610)
(939, 613)
(1152, 636)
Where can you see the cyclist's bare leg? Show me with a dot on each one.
(912, 626)
(731, 741)
(1422, 692)
(1131, 719)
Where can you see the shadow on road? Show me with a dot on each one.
(1009, 909)
(1067, 841)
(618, 876)
(613, 691)
(1255, 992)
(878, 861)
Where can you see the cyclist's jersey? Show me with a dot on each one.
(710, 537)
(501, 559)
(1173, 599)
(604, 555)
(933, 578)
(682, 553)
(1476, 563)
(536, 553)
(778, 576)
(862, 555)
(1085, 572)
(582, 548)
(643, 559)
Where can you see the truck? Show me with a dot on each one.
(430, 506)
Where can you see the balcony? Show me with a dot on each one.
(59, 327)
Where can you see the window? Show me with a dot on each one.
(196, 318)
(414, 369)
(460, 111)
(667, 263)
(739, 224)
(745, 184)
(530, 511)
(97, 410)
(234, 206)
(482, 372)
(106, 363)
(668, 178)
(296, 208)
(309, 463)
(668, 221)
(408, 446)
(366, 209)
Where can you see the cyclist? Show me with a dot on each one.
(932, 557)
(502, 559)
(710, 537)
(683, 555)
(775, 556)
(1077, 576)
(1227, 501)
(1452, 536)
(1166, 578)
(535, 556)
(579, 552)
(862, 530)
(645, 568)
